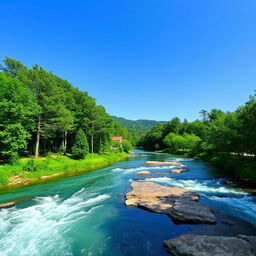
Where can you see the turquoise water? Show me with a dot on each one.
(86, 215)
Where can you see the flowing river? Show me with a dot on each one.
(86, 215)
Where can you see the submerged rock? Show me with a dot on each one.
(179, 170)
(7, 205)
(204, 245)
(143, 172)
(180, 204)
(162, 163)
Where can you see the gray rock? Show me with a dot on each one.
(191, 211)
(202, 245)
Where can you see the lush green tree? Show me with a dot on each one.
(80, 148)
(18, 109)
(247, 125)
(127, 146)
(204, 115)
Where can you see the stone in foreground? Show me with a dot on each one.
(180, 204)
(7, 205)
(162, 163)
(143, 172)
(203, 245)
(179, 170)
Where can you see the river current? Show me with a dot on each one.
(86, 215)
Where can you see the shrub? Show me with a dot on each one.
(127, 146)
(80, 148)
(30, 166)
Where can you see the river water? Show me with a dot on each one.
(86, 215)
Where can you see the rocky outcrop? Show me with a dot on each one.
(7, 205)
(204, 245)
(179, 170)
(180, 204)
(163, 163)
(191, 211)
(143, 172)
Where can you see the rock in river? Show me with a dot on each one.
(7, 205)
(204, 245)
(179, 170)
(180, 204)
(191, 211)
(143, 172)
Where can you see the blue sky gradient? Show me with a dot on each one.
(140, 59)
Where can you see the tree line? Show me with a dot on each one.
(222, 137)
(41, 112)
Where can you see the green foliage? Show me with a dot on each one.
(18, 110)
(30, 166)
(230, 134)
(80, 148)
(127, 146)
(45, 110)
(61, 149)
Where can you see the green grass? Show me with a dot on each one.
(44, 166)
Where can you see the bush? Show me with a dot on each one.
(30, 166)
(80, 148)
(127, 146)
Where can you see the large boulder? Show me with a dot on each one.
(204, 245)
(162, 163)
(180, 204)
(149, 190)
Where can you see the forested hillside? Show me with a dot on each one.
(41, 112)
(136, 127)
(227, 139)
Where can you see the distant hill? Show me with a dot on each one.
(137, 127)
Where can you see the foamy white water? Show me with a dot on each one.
(40, 229)
(203, 186)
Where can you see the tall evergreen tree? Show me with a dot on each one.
(80, 148)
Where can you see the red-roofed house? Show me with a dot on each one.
(117, 138)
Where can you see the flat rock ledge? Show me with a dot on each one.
(179, 170)
(7, 205)
(204, 245)
(143, 172)
(176, 163)
(180, 204)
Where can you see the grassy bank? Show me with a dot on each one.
(28, 170)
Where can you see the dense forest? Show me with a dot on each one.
(226, 139)
(41, 112)
(137, 127)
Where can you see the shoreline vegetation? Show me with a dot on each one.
(224, 139)
(51, 168)
(240, 168)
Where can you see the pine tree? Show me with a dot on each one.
(80, 148)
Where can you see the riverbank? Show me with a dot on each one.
(33, 171)
(241, 169)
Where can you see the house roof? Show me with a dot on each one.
(117, 138)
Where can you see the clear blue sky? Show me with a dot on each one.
(151, 59)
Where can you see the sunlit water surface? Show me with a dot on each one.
(86, 215)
